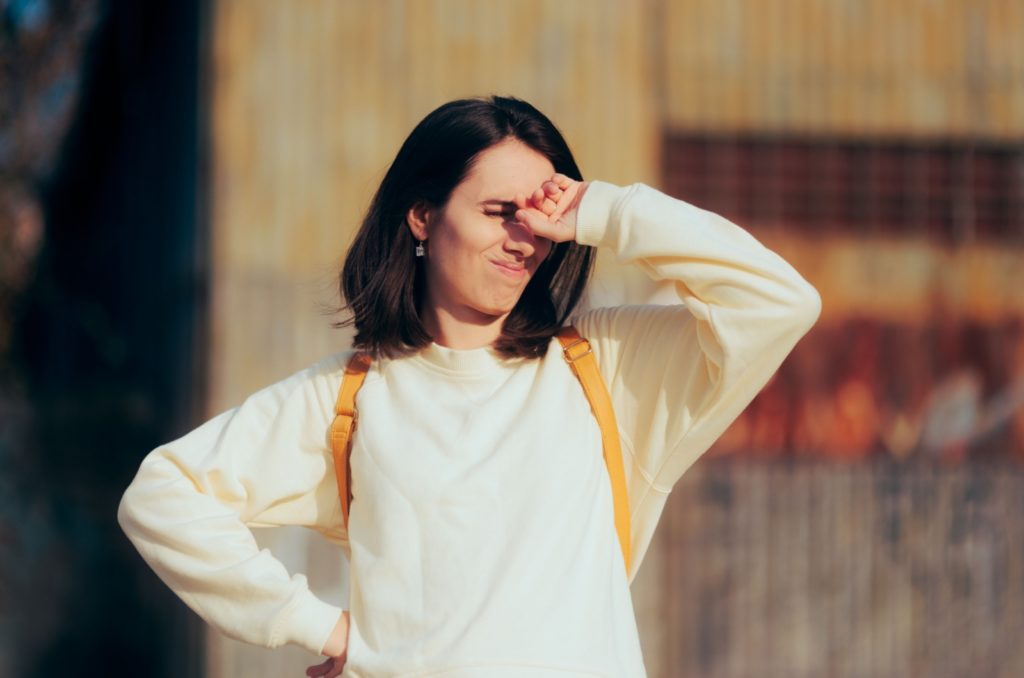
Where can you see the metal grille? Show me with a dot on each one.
(945, 190)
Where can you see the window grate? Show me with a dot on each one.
(945, 190)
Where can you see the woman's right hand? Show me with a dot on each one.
(336, 650)
(550, 211)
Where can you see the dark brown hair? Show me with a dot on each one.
(383, 281)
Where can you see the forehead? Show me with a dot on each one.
(505, 169)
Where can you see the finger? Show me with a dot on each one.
(561, 180)
(549, 206)
(537, 198)
(320, 669)
(520, 201)
(554, 196)
(339, 666)
(552, 190)
(532, 219)
(568, 198)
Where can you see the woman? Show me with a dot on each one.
(481, 537)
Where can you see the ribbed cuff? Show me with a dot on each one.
(310, 623)
(594, 213)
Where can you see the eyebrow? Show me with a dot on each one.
(498, 201)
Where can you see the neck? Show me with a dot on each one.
(462, 328)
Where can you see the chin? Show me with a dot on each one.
(496, 308)
(495, 311)
(496, 301)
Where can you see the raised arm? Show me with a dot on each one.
(679, 375)
(267, 462)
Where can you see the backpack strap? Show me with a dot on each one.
(344, 425)
(577, 352)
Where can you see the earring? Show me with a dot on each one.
(419, 249)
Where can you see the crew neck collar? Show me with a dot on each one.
(465, 360)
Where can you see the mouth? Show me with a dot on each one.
(512, 270)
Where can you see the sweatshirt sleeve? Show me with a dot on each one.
(678, 375)
(266, 462)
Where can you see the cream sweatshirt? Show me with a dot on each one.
(481, 537)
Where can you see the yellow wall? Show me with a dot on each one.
(878, 67)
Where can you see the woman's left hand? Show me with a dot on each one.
(550, 211)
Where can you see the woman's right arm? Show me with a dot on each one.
(266, 462)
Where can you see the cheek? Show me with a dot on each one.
(471, 235)
(543, 249)
(458, 252)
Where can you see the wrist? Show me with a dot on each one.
(337, 643)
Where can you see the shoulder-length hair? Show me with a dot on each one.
(382, 281)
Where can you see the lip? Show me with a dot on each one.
(511, 271)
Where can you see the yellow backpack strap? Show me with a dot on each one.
(578, 354)
(344, 424)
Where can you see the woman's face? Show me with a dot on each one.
(478, 257)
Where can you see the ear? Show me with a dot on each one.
(418, 219)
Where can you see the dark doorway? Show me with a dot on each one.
(108, 341)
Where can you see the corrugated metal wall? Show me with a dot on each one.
(810, 570)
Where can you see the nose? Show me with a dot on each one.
(520, 239)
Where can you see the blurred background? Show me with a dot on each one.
(179, 182)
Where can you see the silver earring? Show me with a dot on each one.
(419, 249)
